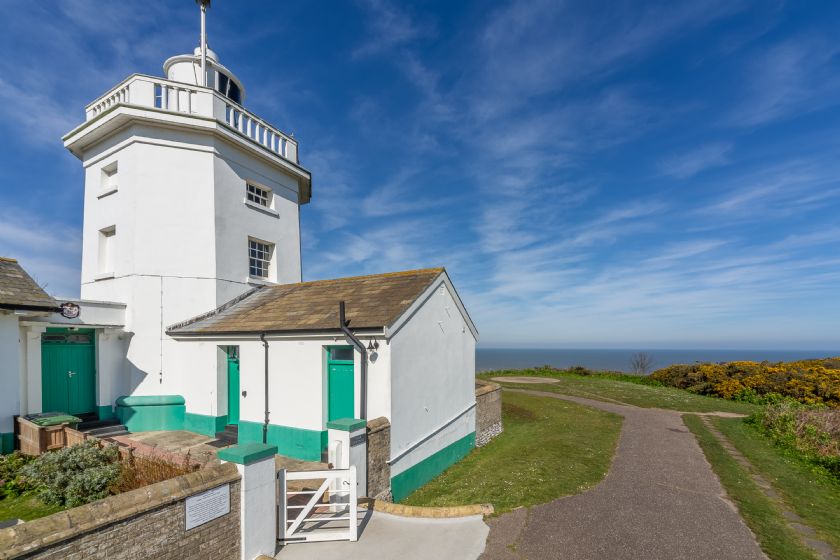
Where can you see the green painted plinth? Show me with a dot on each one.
(346, 424)
(247, 453)
(7, 443)
(151, 412)
(414, 477)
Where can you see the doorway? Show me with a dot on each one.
(233, 385)
(340, 383)
(68, 371)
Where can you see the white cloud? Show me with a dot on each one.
(695, 161)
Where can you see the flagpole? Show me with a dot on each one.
(203, 4)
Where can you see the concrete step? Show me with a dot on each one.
(96, 423)
(107, 431)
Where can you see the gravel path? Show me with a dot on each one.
(660, 500)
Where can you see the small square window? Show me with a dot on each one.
(258, 195)
(107, 249)
(259, 258)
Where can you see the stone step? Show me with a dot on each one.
(107, 431)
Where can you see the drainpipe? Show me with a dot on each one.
(265, 425)
(363, 351)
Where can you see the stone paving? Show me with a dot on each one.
(660, 500)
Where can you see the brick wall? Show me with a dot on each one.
(144, 523)
(488, 411)
(379, 451)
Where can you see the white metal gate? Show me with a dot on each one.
(329, 513)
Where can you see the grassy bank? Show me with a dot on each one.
(537, 458)
(809, 492)
(26, 507)
(762, 516)
(627, 389)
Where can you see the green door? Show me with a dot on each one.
(233, 388)
(340, 393)
(68, 373)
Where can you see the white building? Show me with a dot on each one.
(192, 204)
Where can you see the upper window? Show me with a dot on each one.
(259, 258)
(107, 249)
(258, 195)
(228, 88)
(109, 176)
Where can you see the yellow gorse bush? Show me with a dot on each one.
(808, 381)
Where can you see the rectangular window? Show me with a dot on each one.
(159, 96)
(259, 258)
(109, 177)
(107, 249)
(259, 195)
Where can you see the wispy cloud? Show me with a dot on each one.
(689, 164)
(390, 27)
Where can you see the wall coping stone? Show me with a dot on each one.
(151, 400)
(485, 387)
(246, 453)
(65, 525)
(346, 424)
(378, 424)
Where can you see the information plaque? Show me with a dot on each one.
(207, 506)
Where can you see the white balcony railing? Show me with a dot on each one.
(176, 97)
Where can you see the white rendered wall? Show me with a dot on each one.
(297, 379)
(181, 245)
(432, 380)
(9, 370)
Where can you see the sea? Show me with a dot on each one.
(620, 359)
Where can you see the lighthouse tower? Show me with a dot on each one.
(190, 200)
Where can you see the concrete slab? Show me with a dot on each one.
(390, 536)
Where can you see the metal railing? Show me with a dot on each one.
(166, 95)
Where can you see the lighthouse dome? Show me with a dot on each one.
(186, 68)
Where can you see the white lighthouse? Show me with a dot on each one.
(190, 200)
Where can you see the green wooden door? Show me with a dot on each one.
(68, 373)
(340, 392)
(233, 389)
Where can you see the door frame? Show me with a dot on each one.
(329, 362)
(93, 348)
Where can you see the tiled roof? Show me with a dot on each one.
(371, 302)
(19, 291)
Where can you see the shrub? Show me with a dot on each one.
(12, 481)
(142, 471)
(807, 381)
(76, 475)
(812, 432)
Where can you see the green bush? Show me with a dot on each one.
(12, 481)
(75, 475)
(811, 432)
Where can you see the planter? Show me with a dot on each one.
(40, 433)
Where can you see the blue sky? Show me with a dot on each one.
(598, 174)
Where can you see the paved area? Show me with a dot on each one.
(385, 537)
(660, 500)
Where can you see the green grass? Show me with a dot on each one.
(26, 507)
(627, 389)
(762, 516)
(550, 448)
(812, 494)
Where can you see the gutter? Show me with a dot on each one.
(343, 322)
(265, 424)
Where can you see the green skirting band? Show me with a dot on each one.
(7, 443)
(202, 424)
(105, 412)
(298, 443)
(416, 476)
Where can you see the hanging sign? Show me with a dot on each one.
(207, 506)
(70, 310)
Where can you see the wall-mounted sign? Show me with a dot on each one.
(207, 506)
(70, 310)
